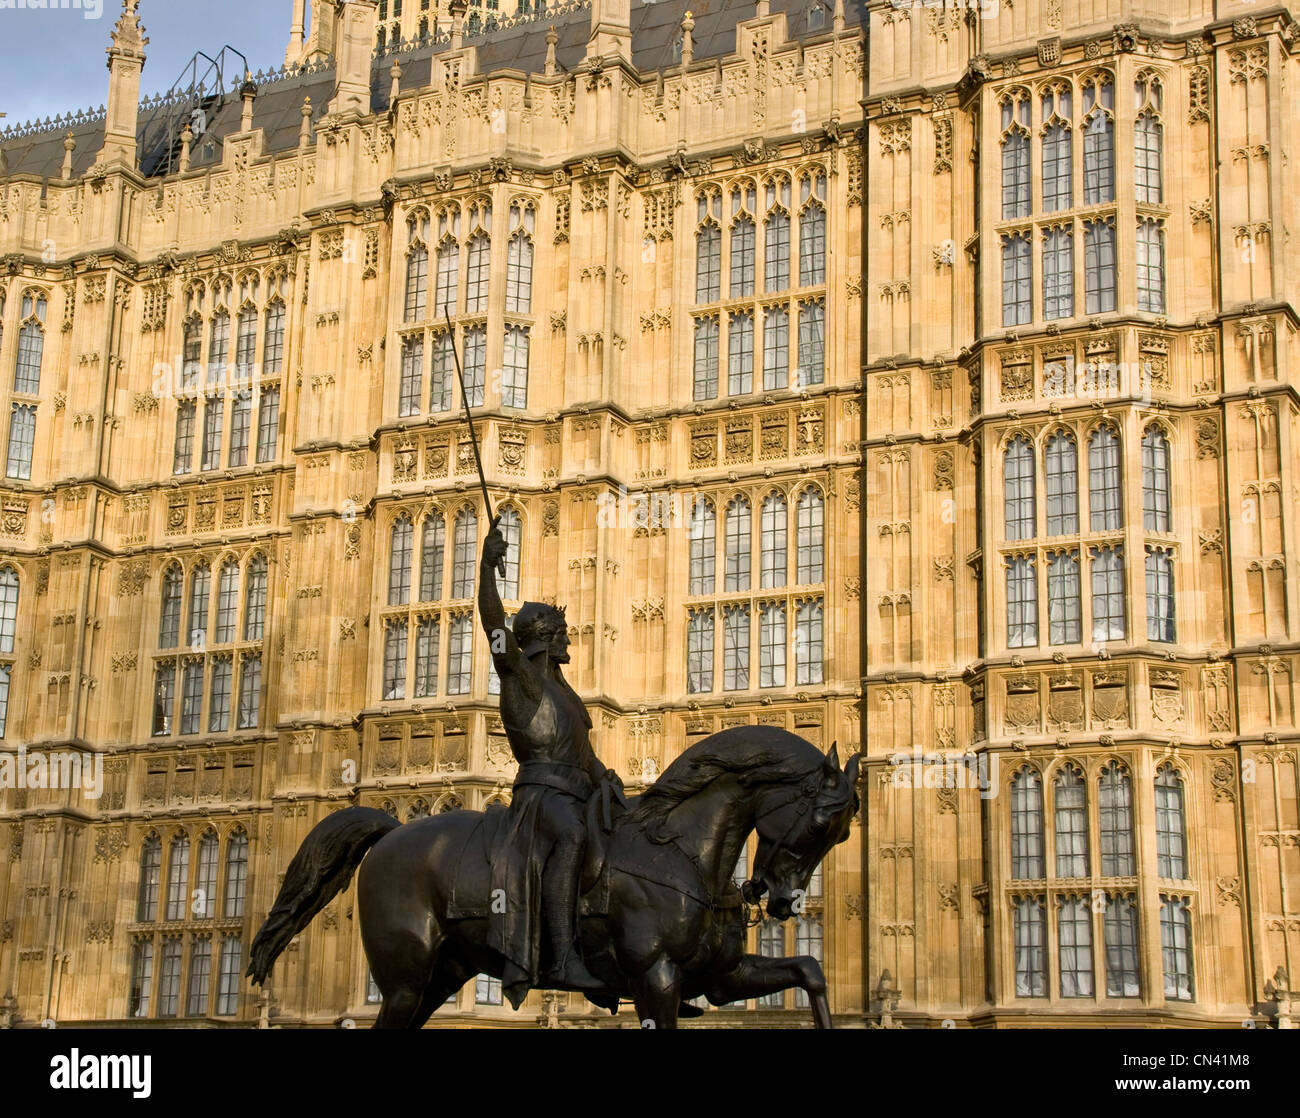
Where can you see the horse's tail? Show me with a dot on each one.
(319, 871)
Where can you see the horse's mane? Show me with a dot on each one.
(759, 754)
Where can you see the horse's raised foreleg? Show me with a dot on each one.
(756, 975)
(656, 995)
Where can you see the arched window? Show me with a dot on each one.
(809, 643)
(250, 692)
(708, 249)
(1064, 613)
(223, 669)
(1115, 821)
(775, 566)
(810, 538)
(812, 229)
(146, 907)
(514, 367)
(1022, 601)
(399, 562)
(464, 545)
(1062, 471)
(519, 259)
(236, 875)
(1074, 941)
(1104, 502)
(445, 294)
(246, 341)
(8, 608)
(1151, 266)
(178, 877)
(227, 601)
(396, 632)
(1099, 265)
(701, 534)
(699, 650)
(218, 346)
(1155, 480)
(1058, 160)
(1018, 490)
(1171, 828)
(771, 645)
(427, 637)
(22, 442)
(742, 252)
(410, 386)
(1027, 826)
(705, 367)
(1160, 594)
(737, 545)
(1108, 614)
(417, 283)
(776, 236)
(200, 594)
(433, 541)
(31, 344)
(1098, 140)
(1017, 279)
(205, 878)
(1148, 140)
(512, 531)
(460, 650)
(273, 342)
(1071, 798)
(1058, 274)
(1015, 154)
(735, 647)
(255, 600)
(479, 248)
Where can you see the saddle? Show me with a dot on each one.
(486, 841)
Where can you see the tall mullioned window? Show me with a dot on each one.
(1151, 266)
(399, 563)
(22, 442)
(1155, 480)
(478, 257)
(1027, 825)
(1064, 617)
(737, 545)
(417, 282)
(1057, 148)
(773, 531)
(512, 531)
(519, 259)
(1061, 468)
(447, 275)
(514, 367)
(1120, 925)
(146, 909)
(699, 650)
(771, 645)
(1017, 279)
(460, 647)
(1115, 821)
(411, 384)
(735, 648)
(1099, 266)
(1176, 948)
(178, 877)
(743, 236)
(1022, 601)
(812, 229)
(809, 642)
(1058, 273)
(31, 344)
(810, 538)
(1098, 140)
(1104, 503)
(708, 249)
(1161, 622)
(702, 544)
(776, 348)
(740, 353)
(1029, 925)
(395, 636)
(1015, 154)
(1070, 793)
(1148, 140)
(706, 358)
(433, 545)
(227, 601)
(1108, 622)
(1074, 947)
(776, 235)
(1171, 827)
(465, 539)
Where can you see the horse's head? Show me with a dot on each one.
(796, 831)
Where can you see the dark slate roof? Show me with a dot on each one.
(520, 45)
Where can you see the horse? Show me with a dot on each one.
(672, 927)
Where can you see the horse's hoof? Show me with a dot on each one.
(688, 1010)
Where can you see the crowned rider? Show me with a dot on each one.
(547, 727)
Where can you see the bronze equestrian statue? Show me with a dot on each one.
(447, 897)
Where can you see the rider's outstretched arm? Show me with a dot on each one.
(501, 641)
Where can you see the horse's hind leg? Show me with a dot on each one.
(417, 991)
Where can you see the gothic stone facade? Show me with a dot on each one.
(858, 389)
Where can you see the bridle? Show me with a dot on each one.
(805, 798)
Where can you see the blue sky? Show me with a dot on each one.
(52, 61)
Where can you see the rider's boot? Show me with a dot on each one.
(559, 911)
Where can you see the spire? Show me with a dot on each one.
(611, 29)
(688, 43)
(358, 22)
(551, 39)
(296, 30)
(69, 146)
(125, 61)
